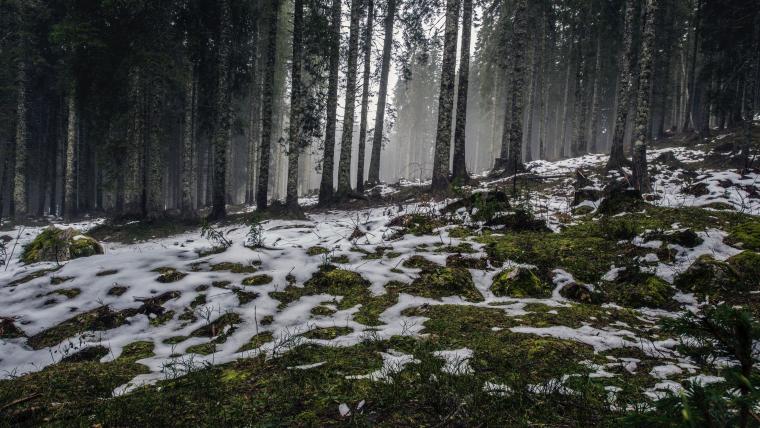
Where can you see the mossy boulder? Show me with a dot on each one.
(519, 282)
(619, 197)
(59, 245)
(441, 282)
(646, 291)
(706, 276)
(580, 293)
(335, 281)
(747, 235)
(417, 224)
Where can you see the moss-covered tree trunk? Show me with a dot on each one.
(221, 137)
(519, 41)
(641, 132)
(367, 50)
(326, 190)
(20, 199)
(459, 167)
(295, 144)
(377, 138)
(442, 149)
(349, 112)
(624, 87)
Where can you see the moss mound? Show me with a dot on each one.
(519, 282)
(59, 245)
(747, 234)
(444, 282)
(649, 291)
(418, 262)
(417, 224)
(258, 280)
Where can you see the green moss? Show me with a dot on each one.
(245, 297)
(341, 259)
(262, 279)
(519, 282)
(652, 292)
(198, 300)
(322, 311)
(748, 234)
(460, 232)
(58, 245)
(107, 272)
(32, 276)
(443, 282)
(419, 262)
(216, 327)
(256, 341)
(117, 290)
(162, 319)
(327, 333)
(8, 329)
(58, 280)
(202, 349)
(102, 318)
(233, 267)
(458, 260)
(169, 275)
(462, 247)
(317, 250)
(174, 340)
(418, 224)
(68, 292)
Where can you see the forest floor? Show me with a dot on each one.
(543, 308)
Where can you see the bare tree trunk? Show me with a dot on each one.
(565, 103)
(617, 152)
(254, 123)
(133, 181)
(267, 102)
(347, 137)
(154, 201)
(640, 174)
(579, 143)
(365, 95)
(532, 96)
(459, 170)
(514, 160)
(692, 73)
(326, 190)
(446, 99)
(750, 89)
(594, 145)
(188, 142)
(377, 139)
(295, 144)
(72, 143)
(222, 106)
(20, 199)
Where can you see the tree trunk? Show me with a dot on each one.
(154, 200)
(326, 190)
(377, 139)
(294, 136)
(188, 142)
(222, 106)
(347, 137)
(532, 95)
(617, 152)
(365, 95)
(579, 142)
(692, 77)
(133, 182)
(640, 174)
(459, 169)
(750, 89)
(72, 143)
(254, 123)
(594, 145)
(565, 102)
(20, 199)
(446, 99)
(514, 160)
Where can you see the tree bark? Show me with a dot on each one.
(268, 106)
(365, 95)
(446, 99)
(617, 153)
(154, 200)
(221, 139)
(133, 180)
(514, 160)
(294, 135)
(640, 174)
(459, 169)
(72, 143)
(692, 73)
(188, 142)
(326, 190)
(254, 122)
(750, 89)
(579, 142)
(347, 137)
(377, 139)
(20, 200)
(594, 143)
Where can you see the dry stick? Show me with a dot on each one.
(19, 401)
(10, 257)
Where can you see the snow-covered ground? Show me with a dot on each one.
(34, 308)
